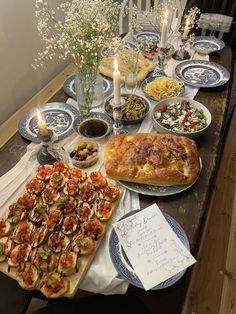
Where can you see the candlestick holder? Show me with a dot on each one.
(118, 127)
(50, 150)
(182, 53)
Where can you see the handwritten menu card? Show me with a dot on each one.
(153, 248)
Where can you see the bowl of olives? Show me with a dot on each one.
(84, 153)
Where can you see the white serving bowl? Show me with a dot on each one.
(194, 104)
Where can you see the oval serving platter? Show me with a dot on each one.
(69, 86)
(59, 118)
(201, 73)
(122, 264)
(207, 44)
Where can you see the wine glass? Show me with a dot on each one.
(131, 82)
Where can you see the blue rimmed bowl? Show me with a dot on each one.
(94, 125)
(152, 77)
(129, 121)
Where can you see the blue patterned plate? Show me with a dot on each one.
(69, 86)
(207, 44)
(123, 266)
(59, 118)
(147, 35)
(200, 73)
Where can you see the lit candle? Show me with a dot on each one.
(116, 83)
(43, 131)
(164, 31)
(186, 28)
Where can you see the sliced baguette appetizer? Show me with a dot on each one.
(50, 195)
(57, 180)
(20, 254)
(16, 213)
(87, 193)
(66, 203)
(72, 187)
(98, 180)
(110, 193)
(28, 276)
(93, 228)
(69, 263)
(6, 246)
(44, 172)
(58, 242)
(35, 186)
(44, 259)
(103, 211)
(53, 285)
(38, 213)
(83, 245)
(53, 219)
(84, 211)
(69, 225)
(77, 173)
(39, 236)
(60, 166)
(5, 227)
(27, 200)
(22, 232)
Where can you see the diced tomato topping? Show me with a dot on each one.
(27, 275)
(55, 286)
(52, 218)
(105, 209)
(56, 240)
(72, 185)
(69, 222)
(94, 227)
(97, 179)
(49, 194)
(87, 191)
(27, 200)
(60, 166)
(44, 171)
(187, 114)
(75, 172)
(83, 211)
(163, 108)
(66, 259)
(19, 255)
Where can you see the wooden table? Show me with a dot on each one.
(188, 208)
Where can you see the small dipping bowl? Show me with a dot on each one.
(84, 152)
(93, 125)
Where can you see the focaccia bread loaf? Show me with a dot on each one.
(129, 61)
(152, 158)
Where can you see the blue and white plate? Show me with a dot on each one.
(147, 35)
(123, 266)
(200, 73)
(152, 77)
(69, 86)
(207, 44)
(59, 118)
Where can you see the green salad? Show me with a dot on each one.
(181, 117)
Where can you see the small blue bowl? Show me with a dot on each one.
(133, 121)
(94, 125)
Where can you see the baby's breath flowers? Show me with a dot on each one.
(79, 29)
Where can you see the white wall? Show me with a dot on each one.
(19, 44)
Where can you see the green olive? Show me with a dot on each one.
(94, 154)
(89, 157)
(82, 153)
(82, 145)
(89, 146)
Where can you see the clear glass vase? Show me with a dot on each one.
(90, 93)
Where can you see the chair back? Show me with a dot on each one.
(212, 23)
(145, 15)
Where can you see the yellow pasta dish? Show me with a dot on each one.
(163, 87)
